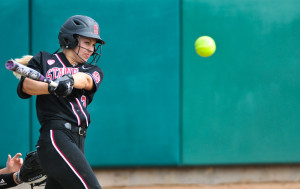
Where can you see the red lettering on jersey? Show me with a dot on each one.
(68, 70)
(83, 100)
(96, 76)
(49, 75)
(54, 70)
(75, 70)
(60, 73)
(55, 73)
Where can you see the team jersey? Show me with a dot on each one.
(72, 108)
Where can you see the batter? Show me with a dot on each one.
(62, 111)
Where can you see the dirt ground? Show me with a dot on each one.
(225, 186)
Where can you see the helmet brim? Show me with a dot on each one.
(94, 36)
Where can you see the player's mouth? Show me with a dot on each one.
(87, 56)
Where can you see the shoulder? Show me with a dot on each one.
(94, 71)
(96, 68)
(42, 54)
(90, 68)
(38, 59)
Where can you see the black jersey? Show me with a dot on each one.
(72, 108)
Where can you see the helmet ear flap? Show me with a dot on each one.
(75, 40)
(67, 43)
(70, 43)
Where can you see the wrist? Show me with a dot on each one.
(17, 178)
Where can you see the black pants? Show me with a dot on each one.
(61, 154)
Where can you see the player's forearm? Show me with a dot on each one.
(33, 87)
(82, 81)
(4, 170)
(8, 180)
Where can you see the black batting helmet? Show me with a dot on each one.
(78, 25)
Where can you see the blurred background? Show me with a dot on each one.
(160, 104)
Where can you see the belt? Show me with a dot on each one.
(80, 130)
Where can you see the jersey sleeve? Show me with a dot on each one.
(34, 63)
(7, 180)
(97, 75)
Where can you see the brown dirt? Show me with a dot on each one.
(225, 186)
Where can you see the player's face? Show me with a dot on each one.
(85, 48)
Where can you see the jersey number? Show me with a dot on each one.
(83, 100)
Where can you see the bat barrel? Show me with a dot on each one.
(9, 65)
(27, 72)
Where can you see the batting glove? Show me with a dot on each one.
(64, 87)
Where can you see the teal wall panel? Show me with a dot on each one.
(239, 106)
(135, 114)
(242, 105)
(14, 136)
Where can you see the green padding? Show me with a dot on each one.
(14, 112)
(135, 114)
(242, 105)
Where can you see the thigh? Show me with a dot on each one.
(64, 162)
(52, 184)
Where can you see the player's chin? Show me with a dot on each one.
(84, 60)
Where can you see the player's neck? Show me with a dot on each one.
(70, 57)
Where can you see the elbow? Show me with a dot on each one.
(20, 90)
(83, 81)
(89, 84)
(26, 87)
(86, 85)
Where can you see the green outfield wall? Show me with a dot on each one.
(160, 104)
(15, 113)
(242, 104)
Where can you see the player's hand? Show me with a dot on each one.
(14, 164)
(65, 86)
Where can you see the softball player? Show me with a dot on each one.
(62, 111)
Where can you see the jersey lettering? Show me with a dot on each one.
(55, 73)
(83, 100)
